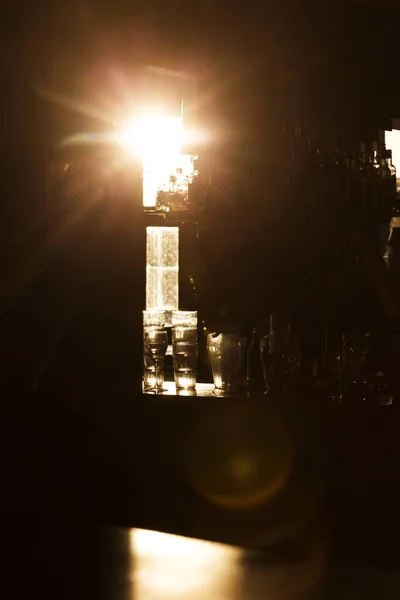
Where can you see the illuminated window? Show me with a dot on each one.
(158, 140)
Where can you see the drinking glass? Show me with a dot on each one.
(332, 365)
(155, 347)
(152, 318)
(225, 352)
(357, 384)
(280, 359)
(184, 354)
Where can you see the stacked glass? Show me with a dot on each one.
(154, 334)
(184, 348)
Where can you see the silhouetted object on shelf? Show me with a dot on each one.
(255, 380)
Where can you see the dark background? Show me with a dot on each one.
(336, 65)
(333, 66)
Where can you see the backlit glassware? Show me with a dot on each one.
(357, 384)
(225, 352)
(154, 318)
(155, 346)
(280, 357)
(184, 318)
(184, 354)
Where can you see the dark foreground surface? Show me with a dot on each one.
(124, 461)
(55, 560)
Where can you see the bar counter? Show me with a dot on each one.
(136, 564)
(92, 448)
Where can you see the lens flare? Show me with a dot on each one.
(154, 137)
(239, 457)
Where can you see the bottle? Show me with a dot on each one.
(355, 348)
(394, 173)
(255, 380)
(390, 163)
(313, 156)
(315, 174)
(392, 256)
(323, 156)
(393, 182)
(340, 180)
(301, 149)
(358, 184)
(393, 252)
(268, 358)
(362, 154)
(387, 183)
(338, 158)
(373, 179)
(280, 356)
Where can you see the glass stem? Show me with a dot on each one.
(156, 375)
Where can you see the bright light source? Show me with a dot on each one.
(158, 140)
(153, 135)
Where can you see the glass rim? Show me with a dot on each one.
(184, 319)
(213, 335)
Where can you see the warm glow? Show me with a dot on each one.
(157, 170)
(154, 137)
(158, 140)
(164, 545)
(171, 566)
(167, 566)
